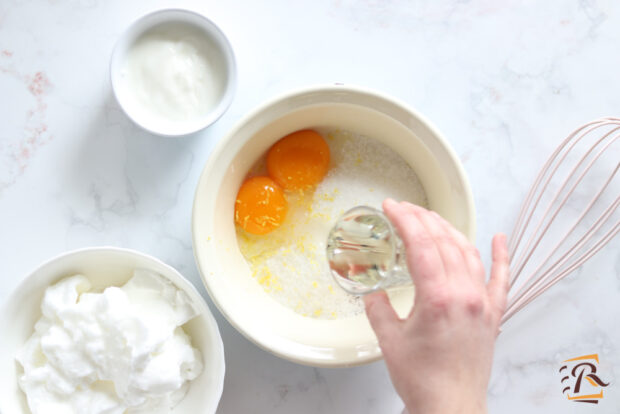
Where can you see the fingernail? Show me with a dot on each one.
(389, 202)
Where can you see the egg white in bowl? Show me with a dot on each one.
(226, 274)
(104, 267)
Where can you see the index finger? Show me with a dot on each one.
(423, 258)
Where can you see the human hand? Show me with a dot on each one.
(440, 356)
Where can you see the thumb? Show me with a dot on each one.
(382, 316)
(499, 285)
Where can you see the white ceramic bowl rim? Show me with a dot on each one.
(221, 145)
(215, 33)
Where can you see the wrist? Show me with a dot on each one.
(446, 403)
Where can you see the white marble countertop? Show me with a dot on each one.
(504, 81)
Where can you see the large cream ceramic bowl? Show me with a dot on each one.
(106, 266)
(226, 275)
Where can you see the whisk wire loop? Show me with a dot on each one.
(531, 234)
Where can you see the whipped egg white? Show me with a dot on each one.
(119, 351)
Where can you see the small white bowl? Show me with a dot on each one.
(221, 57)
(225, 273)
(105, 266)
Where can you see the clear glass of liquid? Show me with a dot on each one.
(365, 253)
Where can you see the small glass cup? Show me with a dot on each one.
(365, 253)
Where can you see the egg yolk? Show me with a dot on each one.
(299, 160)
(260, 206)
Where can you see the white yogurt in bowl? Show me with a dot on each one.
(173, 72)
(170, 74)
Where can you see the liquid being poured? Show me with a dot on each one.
(365, 253)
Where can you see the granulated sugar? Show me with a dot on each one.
(290, 263)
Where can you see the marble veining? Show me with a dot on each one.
(34, 131)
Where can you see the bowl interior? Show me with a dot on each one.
(219, 54)
(105, 267)
(225, 273)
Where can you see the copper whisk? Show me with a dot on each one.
(569, 214)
